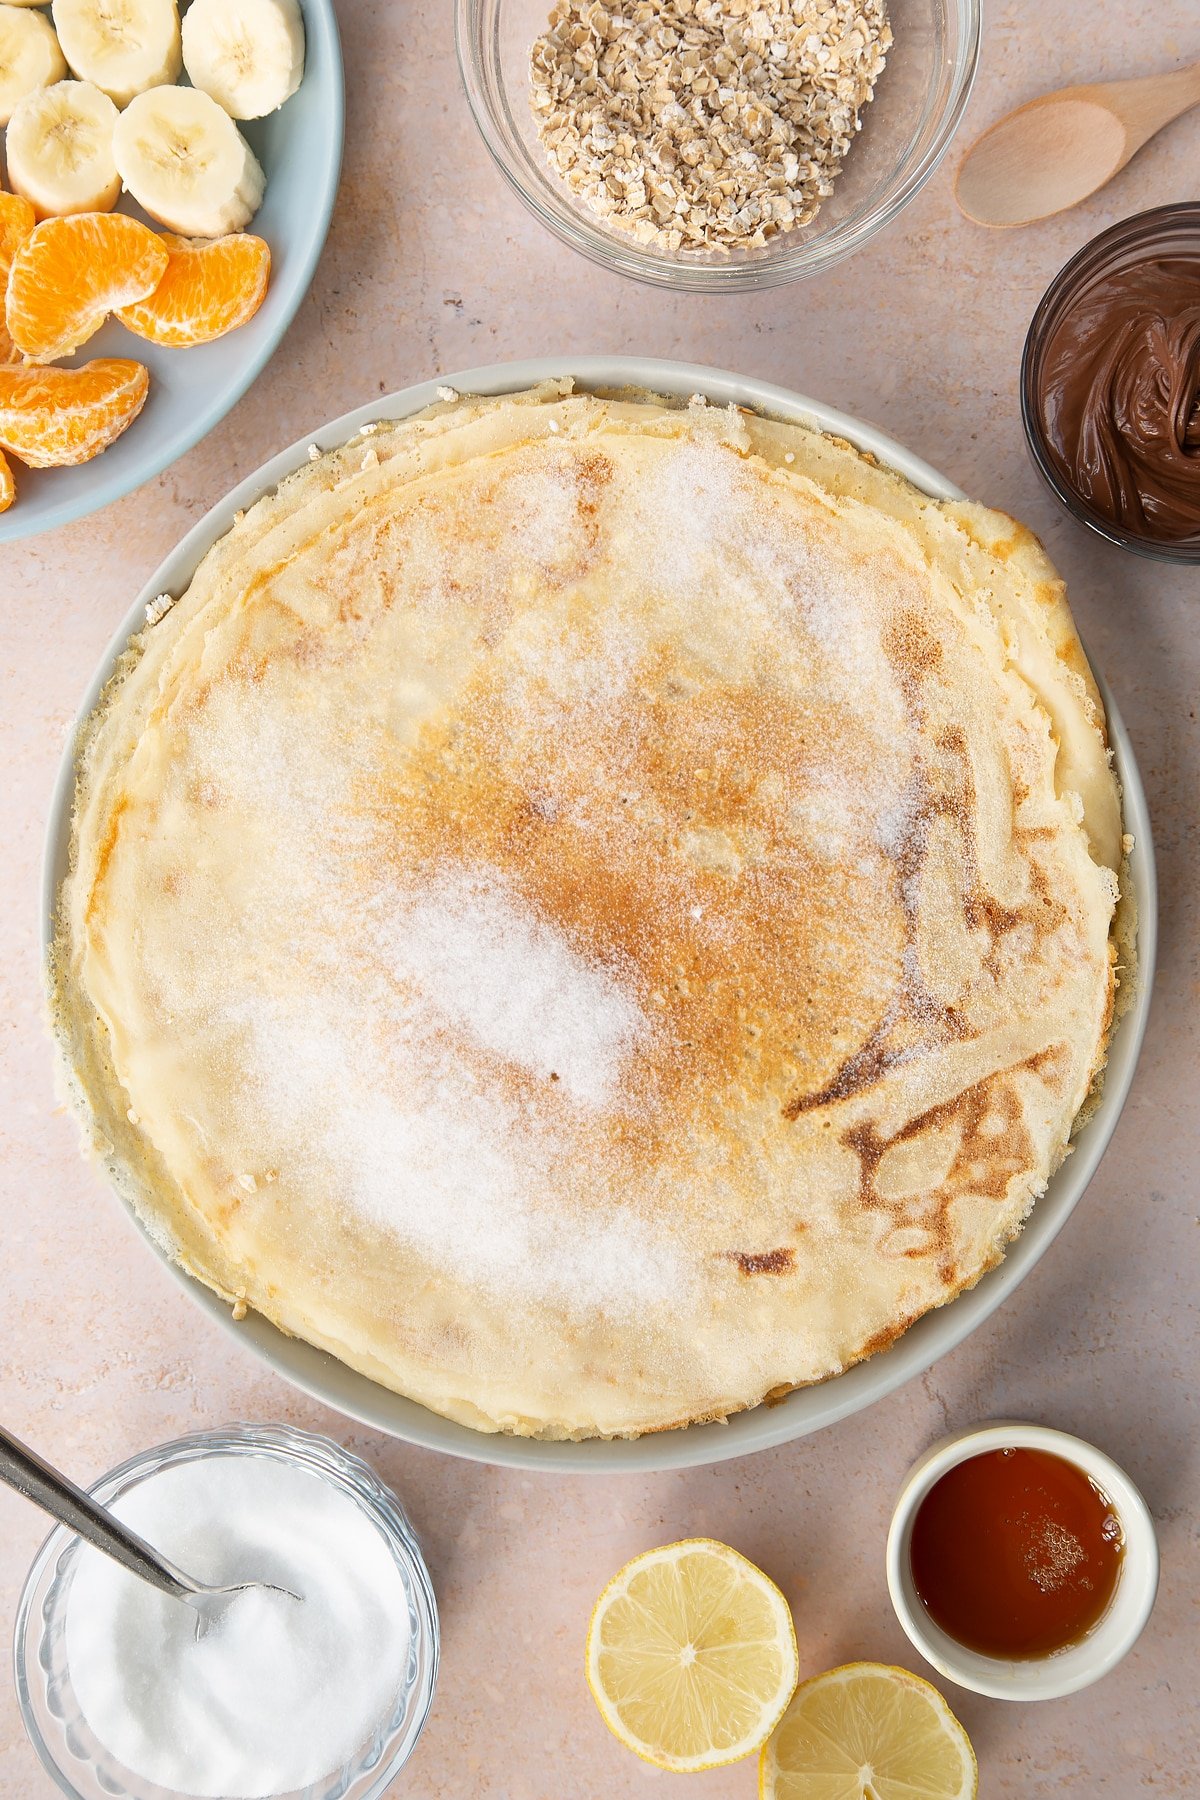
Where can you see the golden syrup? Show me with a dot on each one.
(1016, 1553)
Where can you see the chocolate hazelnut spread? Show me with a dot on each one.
(1120, 397)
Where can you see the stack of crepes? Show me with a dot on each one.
(596, 911)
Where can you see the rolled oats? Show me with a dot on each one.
(705, 124)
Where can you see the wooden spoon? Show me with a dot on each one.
(1058, 149)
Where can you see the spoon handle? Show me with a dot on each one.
(1149, 102)
(21, 1469)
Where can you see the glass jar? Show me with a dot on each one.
(73, 1756)
(906, 130)
(1165, 231)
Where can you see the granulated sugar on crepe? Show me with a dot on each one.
(599, 917)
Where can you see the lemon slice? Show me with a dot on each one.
(868, 1732)
(691, 1655)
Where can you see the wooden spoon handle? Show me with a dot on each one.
(1148, 103)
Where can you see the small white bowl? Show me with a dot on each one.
(1115, 1632)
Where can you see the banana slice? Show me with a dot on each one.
(248, 54)
(122, 46)
(60, 154)
(29, 56)
(186, 163)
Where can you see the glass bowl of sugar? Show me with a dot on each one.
(319, 1691)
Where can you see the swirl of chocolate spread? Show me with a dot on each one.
(1120, 397)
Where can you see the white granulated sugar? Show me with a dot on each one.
(428, 1148)
(423, 546)
(842, 614)
(279, 1693)
(688, 514)
(480, 958)
(433, 1051)
(832, 818)
(689, 506)
(694, 510)
(902, 823)
(265, 766)
(544, 499)
(582, 675)
(430, 1056)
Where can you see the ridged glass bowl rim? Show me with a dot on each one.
(1156, 228)
(808, 257)
(366, 1780)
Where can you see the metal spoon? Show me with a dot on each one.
(21, 1469)
(1056, 150)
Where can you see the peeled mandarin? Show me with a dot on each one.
(211, 286)
(54, 417)
(17, 220)
(70, 273)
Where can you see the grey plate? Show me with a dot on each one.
(808, 1409)
(300, 149)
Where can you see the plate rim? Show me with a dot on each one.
(320, 1375)
(107, 490)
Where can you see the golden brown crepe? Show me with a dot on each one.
(594, 911)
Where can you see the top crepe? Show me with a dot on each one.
(595, 912)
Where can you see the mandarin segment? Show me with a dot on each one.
(17, 220)
(8, 487)
(211, 286)
(53, 417)
(70, 273)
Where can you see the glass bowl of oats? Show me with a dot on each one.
(717, 144)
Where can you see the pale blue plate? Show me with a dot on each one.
(300, 148)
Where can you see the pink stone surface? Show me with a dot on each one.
(433, 266)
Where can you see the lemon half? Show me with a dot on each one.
(868, 1732)
(691, 1655)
